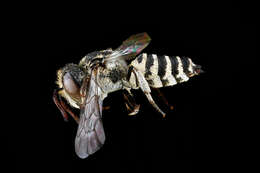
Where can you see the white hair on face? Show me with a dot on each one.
(68, 98)
(59, 78)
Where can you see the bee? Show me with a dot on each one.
(85, 85)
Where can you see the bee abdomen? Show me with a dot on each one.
(161, 71)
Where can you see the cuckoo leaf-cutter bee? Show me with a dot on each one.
(87, 84)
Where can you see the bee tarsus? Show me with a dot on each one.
(163, 98)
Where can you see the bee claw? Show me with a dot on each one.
(164, 115)
(134, 111)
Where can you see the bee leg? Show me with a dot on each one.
(161, 95)
(104, 108)
(131, 105)
(63, 107)
(146, 89)
(75, 117)
(59, 106)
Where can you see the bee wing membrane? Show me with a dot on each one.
(130, 47)
(90, 134)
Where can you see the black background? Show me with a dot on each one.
(197, 133)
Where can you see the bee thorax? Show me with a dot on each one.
(110, 79)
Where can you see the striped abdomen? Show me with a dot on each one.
(161, 71)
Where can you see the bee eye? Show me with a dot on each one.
(69, 85)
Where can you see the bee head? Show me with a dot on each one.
(70, 79)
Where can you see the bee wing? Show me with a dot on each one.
(90, 135)
(131, 47)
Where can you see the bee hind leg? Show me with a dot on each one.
(163, 98)
(104, 108)
(130, 103)
(146, 89)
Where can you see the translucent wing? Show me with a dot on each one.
(131, 47)
(90, 135)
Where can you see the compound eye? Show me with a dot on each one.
(69, 85)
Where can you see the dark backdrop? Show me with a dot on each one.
(192, 135)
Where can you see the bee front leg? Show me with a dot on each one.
(131, 105)
(63, 107)
(59, 106)
(146, 89)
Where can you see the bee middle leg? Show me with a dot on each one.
(131, 105)
(146, 89)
